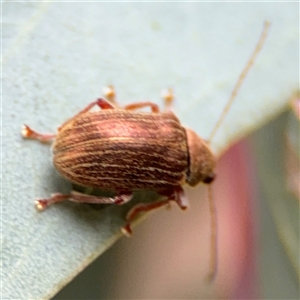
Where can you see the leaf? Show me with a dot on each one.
(56, 58)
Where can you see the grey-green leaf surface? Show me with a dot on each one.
(57, 56)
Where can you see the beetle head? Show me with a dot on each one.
(201, 160)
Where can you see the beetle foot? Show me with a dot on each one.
(29, 133)
(168, 97)
(110, 93)
(42, 204)
(181, 198)
(126, 230)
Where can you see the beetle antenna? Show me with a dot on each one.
(212, 207)
(241, 78)
(213, 237)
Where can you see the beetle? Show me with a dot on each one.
(124, 150)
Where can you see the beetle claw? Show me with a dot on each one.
(126, 230)
(40, 204)
(29, 133)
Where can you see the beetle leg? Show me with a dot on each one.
(102, 103)
(29, 133)
(176, 195)
(118, 199)
(110, 94)
(154, 107)
(168, 97)
(137, 209)
(42, 204)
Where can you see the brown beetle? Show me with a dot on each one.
(123, 150)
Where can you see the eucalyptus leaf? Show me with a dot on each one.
(57, 56)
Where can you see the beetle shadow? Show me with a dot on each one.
(57, 183)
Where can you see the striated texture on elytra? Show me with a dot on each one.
(122, 150)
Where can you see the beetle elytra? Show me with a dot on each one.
(125, 150)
